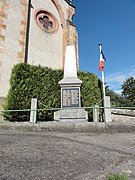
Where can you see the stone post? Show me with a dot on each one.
(96, 114)
(107, 110)
(33, 112)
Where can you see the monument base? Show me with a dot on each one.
(71, 115)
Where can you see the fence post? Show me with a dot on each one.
(96, 114)
(33, 114)
(107, 110)
(1, 116)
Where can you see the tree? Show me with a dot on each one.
(128, 90)
(117, 99)
(114, 97)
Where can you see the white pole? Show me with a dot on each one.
(104, 97)
(100, 47)
(103, 81)
(103, 77)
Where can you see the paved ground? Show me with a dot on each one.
(65, 156)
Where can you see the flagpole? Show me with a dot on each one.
(103, 76)
(103, 81)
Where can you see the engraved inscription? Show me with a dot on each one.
(70, 97)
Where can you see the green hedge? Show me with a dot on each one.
(28, 81)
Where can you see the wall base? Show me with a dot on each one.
(71, 115)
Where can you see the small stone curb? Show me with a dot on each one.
(69, 126)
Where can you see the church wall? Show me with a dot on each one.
(44, 48)
(47, 50)
(12, 43)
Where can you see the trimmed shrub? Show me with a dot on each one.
(28, 81)
(90, 91)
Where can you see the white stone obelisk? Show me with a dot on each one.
(70, 67)
(70, 91)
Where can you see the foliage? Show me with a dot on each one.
(117, 99)
(117, 177)
(128, 90)
(29, 82)
(90, 91)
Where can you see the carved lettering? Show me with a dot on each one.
(70, 97)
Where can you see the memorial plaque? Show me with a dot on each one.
(70, 97)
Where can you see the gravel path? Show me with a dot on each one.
(65, 156)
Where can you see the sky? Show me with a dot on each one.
(112, 23)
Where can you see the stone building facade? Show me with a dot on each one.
(34, 32)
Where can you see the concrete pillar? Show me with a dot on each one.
(33, 113)
(96, 114)
(107, 110)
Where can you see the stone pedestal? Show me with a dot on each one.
(71, 115)
(70, 102)
(70, 92)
